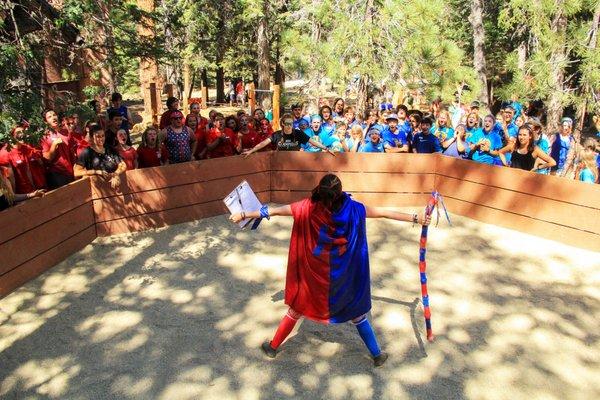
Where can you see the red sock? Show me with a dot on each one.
(285, 327)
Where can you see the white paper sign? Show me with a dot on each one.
(242, 198)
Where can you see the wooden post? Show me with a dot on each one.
(276, 107)
(170, 90)
(252, 98)
(154, 103)
(186, 81)
(204, 91)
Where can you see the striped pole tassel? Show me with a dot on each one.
(423, 265)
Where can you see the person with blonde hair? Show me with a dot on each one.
(442, 129)
(588, 171)
(7, 195)
(356, 139)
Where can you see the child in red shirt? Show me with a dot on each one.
(27, 164)
(127, 153)
(150, 152)
(57, 153)
(221, 141)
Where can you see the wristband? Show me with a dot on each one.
(415, 219)
(264, 212)
(243, 215)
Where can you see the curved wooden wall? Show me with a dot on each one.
(41, 232)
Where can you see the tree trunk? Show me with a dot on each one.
(522, 56)
(557, 63)
(584, 90)
(264, 53)
(204, 90)
(148, 66)
(476, 20)
(220, 82)
(363, 96)
(279, 72)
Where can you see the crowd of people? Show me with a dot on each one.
(103, 146)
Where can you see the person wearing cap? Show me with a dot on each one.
(562, 148)
(287, 139)
(394, 140)
(424, 141)
(179, 140)
(320, 136)
(374, 144)
(299, 118)
(510, 132)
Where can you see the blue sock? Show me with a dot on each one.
(368, 336)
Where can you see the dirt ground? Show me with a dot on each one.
(180, 313)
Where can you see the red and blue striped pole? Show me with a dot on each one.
(433, 201)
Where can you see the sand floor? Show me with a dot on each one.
(180, 313)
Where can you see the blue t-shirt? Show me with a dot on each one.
(369, 147)
(544, 145)
(122, 110)
(394, 139)
(322, 137)
(426, 143)
(513, 132)
(452, 151)
(495, 144)
(444, 133)
(328, 127)
(587, 176)
(296, 123)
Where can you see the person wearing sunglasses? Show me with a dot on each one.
(179, 139)
(287, 139)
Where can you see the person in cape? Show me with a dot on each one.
(328, 277)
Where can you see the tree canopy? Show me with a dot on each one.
(533, 50)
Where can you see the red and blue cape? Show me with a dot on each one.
(328, 276)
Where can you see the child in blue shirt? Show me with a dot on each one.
(375, 144)
(424, 141)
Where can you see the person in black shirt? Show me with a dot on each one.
(287, 139)
(98, 159)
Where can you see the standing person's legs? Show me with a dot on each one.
(285, 327)
(368, 336)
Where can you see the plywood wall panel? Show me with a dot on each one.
(44, 261)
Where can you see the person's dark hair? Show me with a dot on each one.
(417, 117)
(328, 192)
(338, 99)
(323, 108)
(116, 97)
(46, 111)
(171, 101)
(93, 104)
(113, 113)
(531, 144)
(234, 119)
(402, 107)
(427, 120)
(94, 128)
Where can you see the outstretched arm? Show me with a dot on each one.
(380, 212)
(282, 211)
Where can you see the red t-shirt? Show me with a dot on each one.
(250, 139)
(129, 156)
(165, 119)
(226, 147)
(28, 168)
(151, 157)
(61, 163)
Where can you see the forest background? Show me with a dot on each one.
(491, 51)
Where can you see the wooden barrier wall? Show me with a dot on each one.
(391, 180)
(548, 206)
(39, 233)
(155, 197)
